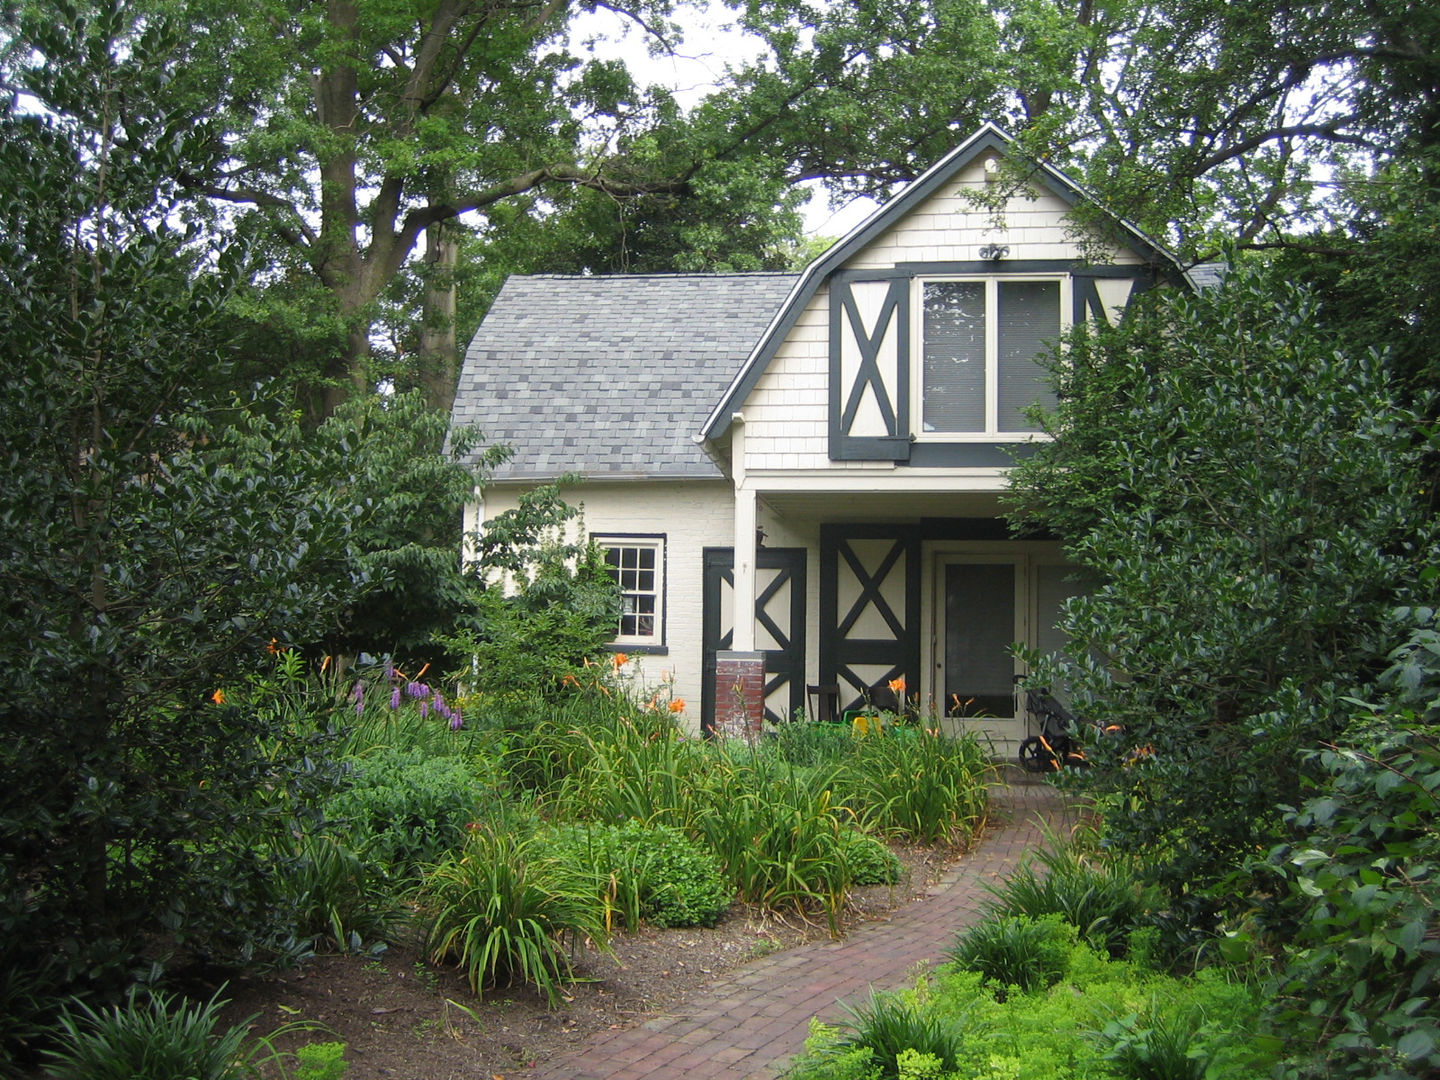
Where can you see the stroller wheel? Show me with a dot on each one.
(1037, 757)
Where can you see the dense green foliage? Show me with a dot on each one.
(506, 916)
(1030, 954)
(159, 1038)
(144, 566)
(404, 808)
(192, 198)
(528, 644)
(1102, 1018)
(1358, 990)
(1247, 495)
(1102, 896)
(646, 873)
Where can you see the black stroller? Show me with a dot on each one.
(1055, 746)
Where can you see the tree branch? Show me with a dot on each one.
(300, 231)
(1331, 131)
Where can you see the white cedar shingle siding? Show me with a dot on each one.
(786, 417)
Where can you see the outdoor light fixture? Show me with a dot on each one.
(995, 252)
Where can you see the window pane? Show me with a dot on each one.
(1028, 323)
(953, 375)
(636, 568)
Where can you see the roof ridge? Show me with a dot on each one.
(662, 275)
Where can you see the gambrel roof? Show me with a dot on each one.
(610, 377)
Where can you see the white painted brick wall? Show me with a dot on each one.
(692, 516)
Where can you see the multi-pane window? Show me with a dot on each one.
(638, 567)
(978, 346)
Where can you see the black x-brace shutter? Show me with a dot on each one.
(883, 372)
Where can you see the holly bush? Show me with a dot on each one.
(1246, 493)
(1360, 992)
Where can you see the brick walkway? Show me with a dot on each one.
(748, 1023)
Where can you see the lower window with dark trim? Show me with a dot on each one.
(637, 563)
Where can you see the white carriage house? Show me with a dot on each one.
(796, 477)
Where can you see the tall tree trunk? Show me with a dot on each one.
(439, 351)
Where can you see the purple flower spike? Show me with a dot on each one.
(424, 709)
(359, 696)
(395, 699)
(456, 722)
(417, 690)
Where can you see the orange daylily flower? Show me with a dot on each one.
(678, 705)
(569, 679)
(897, 687)
(218, 697)
(621, 659)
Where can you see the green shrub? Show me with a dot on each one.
(29, 987)
(650, 873)
(405, 808)
(638, 769)
(504, 913)
(806, 743)
(158, 1037)
(888, 1026)
(1104, 900)
(1032, 954)
(331, 893)
(1360, 991)
(1250, 494)
(868, 861)
(952, 1026)
(777, 832)
(1160, 1046)
(321, 1061)
(528, 645)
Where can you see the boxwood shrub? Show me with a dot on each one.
(650, 873)
(404, 808)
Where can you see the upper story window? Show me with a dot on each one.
(637, 563)
(978, 343)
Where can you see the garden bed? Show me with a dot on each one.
(402, 1018)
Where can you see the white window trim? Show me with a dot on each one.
(992, 432)
(656, 542)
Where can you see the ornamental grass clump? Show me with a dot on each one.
(918, 784)
(1104, 900)
(1016, 951)
(638, 769)
(335, 897)
(893, 1027)
(507, 914)
(156, 1037)
(778, 832)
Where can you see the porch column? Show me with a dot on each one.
(745, 521)
(740, 673)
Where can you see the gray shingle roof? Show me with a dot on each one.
(610, 376)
